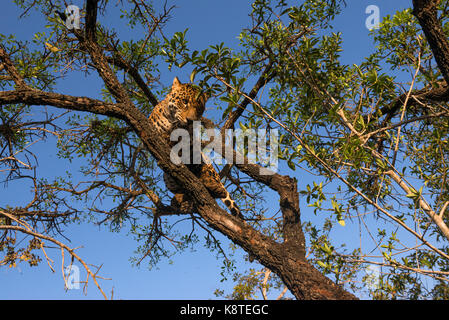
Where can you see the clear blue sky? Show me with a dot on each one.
(192, 275)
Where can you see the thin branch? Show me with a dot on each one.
(61, 245)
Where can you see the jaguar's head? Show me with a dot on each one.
(189, 100)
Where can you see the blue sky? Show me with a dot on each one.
(192, 275)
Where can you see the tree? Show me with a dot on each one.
(373, 135)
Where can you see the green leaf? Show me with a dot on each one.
(193, 74)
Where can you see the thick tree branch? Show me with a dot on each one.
(426, 13)
(118, 61)
(91, 20)
(266, 76)
(9, 66)
(285, 186)
(36, 97)
(433, 95)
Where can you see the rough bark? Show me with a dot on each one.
(426, 13)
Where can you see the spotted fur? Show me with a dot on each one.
(183, 103)
(186, 103)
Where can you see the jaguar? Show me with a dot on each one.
(184, 104)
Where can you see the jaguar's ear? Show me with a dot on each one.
(176, 82)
